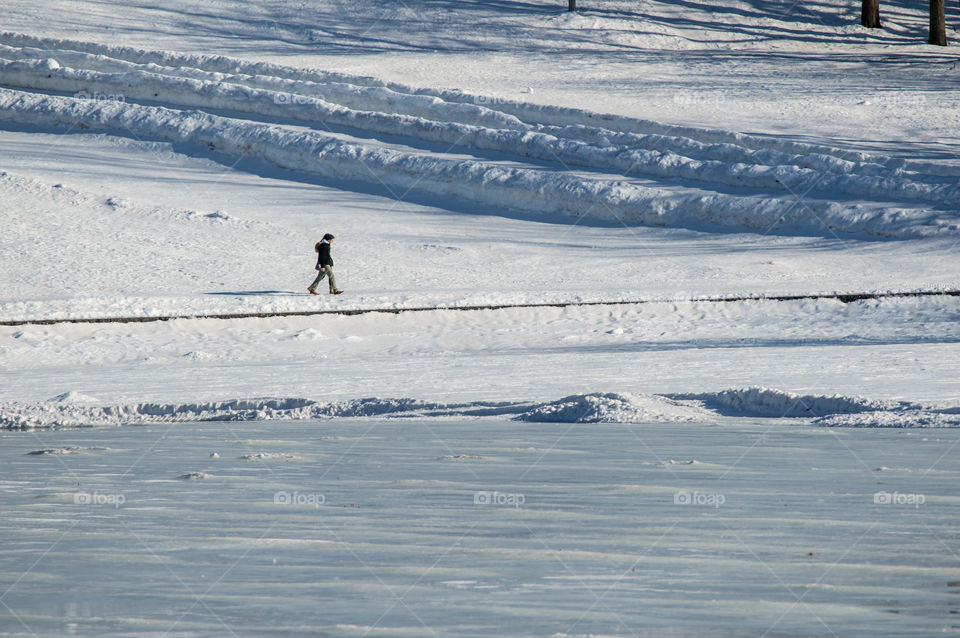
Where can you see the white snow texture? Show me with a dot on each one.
(734, 180)
(72, 410)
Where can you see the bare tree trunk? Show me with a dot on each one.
(938, 23)
(572, 6)
(870, 14)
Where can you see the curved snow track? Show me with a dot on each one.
(503, 155)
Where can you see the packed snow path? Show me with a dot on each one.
(842, 297)
(504, 155)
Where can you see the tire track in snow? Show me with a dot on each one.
(842, 297)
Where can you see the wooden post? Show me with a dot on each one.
(572, 6)
(938, 23)
(870, 14)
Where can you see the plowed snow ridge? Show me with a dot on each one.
(562, 160)
(74, 410)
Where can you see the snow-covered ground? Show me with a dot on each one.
(178, 158)
(804, 69)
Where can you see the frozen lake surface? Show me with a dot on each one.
(479, 527)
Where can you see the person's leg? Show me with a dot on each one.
(333, 282)
(316, 282)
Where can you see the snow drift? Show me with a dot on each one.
(74, 410)
(627, 170)
(768, 403)
(615, 408)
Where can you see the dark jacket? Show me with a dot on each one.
(324, 258)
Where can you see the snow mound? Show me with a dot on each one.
(195, 476)
(892, 419)
(74, 397)
(581, 408)
(71, 449)
(268, 456)
(771, 403)
(373, 406)
(614, 408)
(830, 411)
(58, 413)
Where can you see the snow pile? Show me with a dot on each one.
(833, 411)
(770, 403)
(916, 418)
(628, 160)
(74, 397)
(756, 402)
(57, 413)
(195, 476)
(581, 408)
(615, 408)
(70, 449)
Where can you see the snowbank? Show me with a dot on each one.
(834, 411)
(919, 418)
(435, 120)
(769, 403)
(342, 87)
(729, 179)
(615, 408)
(57, 413)
(585, 408)
(495, 185)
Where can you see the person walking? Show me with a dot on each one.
(324, 265)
